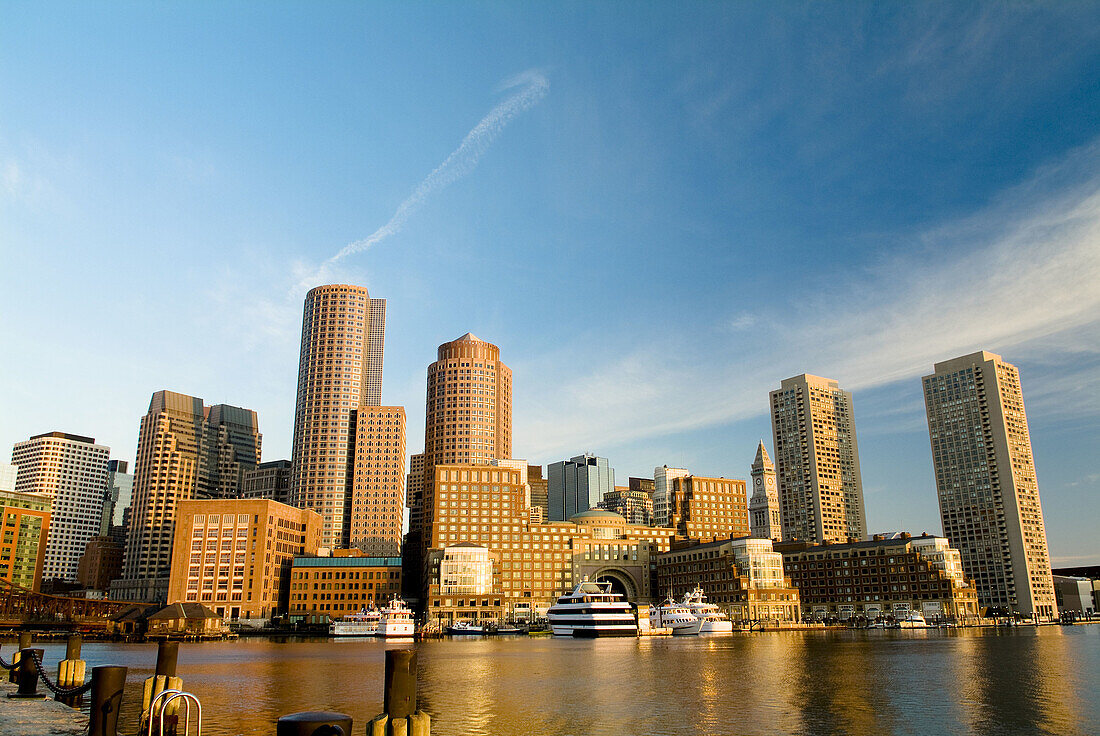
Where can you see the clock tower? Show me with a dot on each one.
(764, 505)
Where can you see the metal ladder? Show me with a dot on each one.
(167, 696)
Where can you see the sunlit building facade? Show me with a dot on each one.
(24, 528)
(881, 578)
(986, 483)
(708, 508)
(377, 501)
(744, 577)
(467, 417)
(71, 471)
(234, 556)
(185, 451)
(339, 371)
(817, 461)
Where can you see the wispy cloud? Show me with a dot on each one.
(1022, 270)
(530, 87)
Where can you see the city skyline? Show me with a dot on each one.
(646, 246)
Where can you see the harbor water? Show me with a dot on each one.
(965, 681)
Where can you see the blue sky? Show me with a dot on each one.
(696, 202)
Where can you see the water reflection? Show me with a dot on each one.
(987, 682)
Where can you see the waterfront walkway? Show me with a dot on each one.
(44, 717)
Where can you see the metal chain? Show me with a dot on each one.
(63, 692)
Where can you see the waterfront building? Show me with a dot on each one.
(234, 555)
(1074, 594)
(662, 489)
(708, 508)
(764, 516)
(540, 492)
(8, 474)
(536, 563)
(71, 471)
(467, 417)
(100, 564)
(743, 576)
(185, 451)
(817, 461)
(339, 371)
(377, 501)
(633, 504)
(881, 577)
(24, 529)
(341, 585)
(985, 481)
(577, 485)
(270, 480)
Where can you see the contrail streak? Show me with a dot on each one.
(533, 87)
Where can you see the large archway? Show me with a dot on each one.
(621, 582)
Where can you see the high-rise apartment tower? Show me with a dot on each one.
(71, 471)
(339, 370)
(817, 461)
(985, 479)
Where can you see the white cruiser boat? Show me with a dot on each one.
(592, 610)
(713, 621)
(364, 623)
(911, 620)
(396, 620)
(672, 615)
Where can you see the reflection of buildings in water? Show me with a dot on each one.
(840, 688)
(1020, 681)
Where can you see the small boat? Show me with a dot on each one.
(672, 615)
(396, 620)
(711, 616)
(364, 623)
(911, 620)
(469, 628)
(592, 610)
(508, 630)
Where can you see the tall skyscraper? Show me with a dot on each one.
(764, 516)
(985, 480)
(377, 500)
(662, 492)
(119, 494)
(184, 451)
(578, 484)
(339, 370)
(817, 461)
(71, 471)
(468, 415)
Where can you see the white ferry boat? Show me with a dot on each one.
(396, 620)
(713, 621)
(672, 615)
(364, 623)
(592, 610)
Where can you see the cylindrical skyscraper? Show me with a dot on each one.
(468, 413)
(340, 369)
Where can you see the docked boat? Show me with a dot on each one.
(396, 620)
(364, 623)
(592, 610)
(712, 620)
(911, 620)
(675, 616)
(469, 628)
